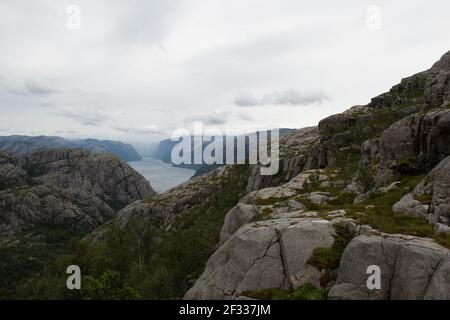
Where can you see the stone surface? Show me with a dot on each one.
(68, 188)
(267, 254)
(434, 192)
(410, 269)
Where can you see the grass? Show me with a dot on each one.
(269, 201)
(262, 214)
(304, 292)
(424, 198)
(379, 214)
(329, 258)
(443, 239)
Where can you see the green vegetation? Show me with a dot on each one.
(262, 214)
(443, 239)
(378, 211)
(365, 179)
(304, 292)
(147, 259)
(329, 258)
(424, 198)
(26, 254)
(107, 287)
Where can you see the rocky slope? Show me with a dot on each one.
(379, 170)
(25, 145)
(65, 187)
(368, 187)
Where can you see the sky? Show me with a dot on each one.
(137, 70)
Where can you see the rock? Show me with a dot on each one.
(267, 254)
(437, 85)
(319, 198)
(409, 267)
(236, 218)
(441, 228)
(69, 188)
(168, 205)
(389, 188)
(439, 288)
(413, 145)
(294, 158)
(434, 189)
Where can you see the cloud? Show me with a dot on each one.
(83, 117)
(29, 88)
(37, 89)
(285, 97)
(150, 129)
(215, 118)
(245, 116)
(245, 99)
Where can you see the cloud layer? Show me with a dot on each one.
(280, 98)
(136, 70)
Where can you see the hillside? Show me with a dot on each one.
(368, 187)
(25, 145)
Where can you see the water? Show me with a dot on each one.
(161, 175)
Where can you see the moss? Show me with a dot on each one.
(380, 215)
(269, 201)
(329, 258)
(424, 198)
(443, 239)
(304, 292)
(262, 214)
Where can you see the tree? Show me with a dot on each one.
(107, 287)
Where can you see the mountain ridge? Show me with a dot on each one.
(21, 144)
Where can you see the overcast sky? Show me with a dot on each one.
(137, 70)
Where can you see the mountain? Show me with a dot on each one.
(365, 192)
(69, 188)
(164, 150)
(27, 144)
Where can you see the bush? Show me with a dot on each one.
(365, 179)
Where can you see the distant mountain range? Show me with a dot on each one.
(164, 150)
(25, 145)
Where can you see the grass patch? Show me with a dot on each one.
(381, 216)
(329, 258)
(304, 292)
(443, 239)
(262, 214)
(424, 198)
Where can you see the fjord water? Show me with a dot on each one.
(161, 175)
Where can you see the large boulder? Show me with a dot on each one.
(260, 255)
(413, 145)
(431, 197)
(411, 268)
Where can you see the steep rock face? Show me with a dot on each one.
(347, 132)
(65, 187)
(431, 198)
(295, 156)
(414, 144)
(101, 174)
(30, 207)
(411, 268)
(437, 84)
(11, 172)
(267, 254)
